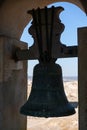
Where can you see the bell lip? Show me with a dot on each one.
(46, 114)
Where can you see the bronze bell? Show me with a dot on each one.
(47, 97)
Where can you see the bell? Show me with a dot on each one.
(47, 97)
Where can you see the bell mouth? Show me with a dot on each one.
(66, 110)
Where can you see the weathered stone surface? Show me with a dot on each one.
(13, 86)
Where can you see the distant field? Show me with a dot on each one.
(70, 78)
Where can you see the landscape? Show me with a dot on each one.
(58, 123)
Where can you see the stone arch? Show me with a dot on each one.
(14, 17)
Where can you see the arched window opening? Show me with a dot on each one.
(72, 17)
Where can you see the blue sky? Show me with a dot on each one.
(72, 17)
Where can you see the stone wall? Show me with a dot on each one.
(82, 77)
(13, 86)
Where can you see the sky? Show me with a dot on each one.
(73, 18)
